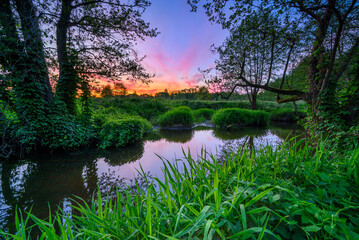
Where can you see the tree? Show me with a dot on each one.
(332, 34)
(107, 91)
(203, 93)
(163, 94)
(119, 89)
(253, 52)
(22, 60)
(93, 38)
(96, 38)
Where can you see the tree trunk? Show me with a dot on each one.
(28, 80)
(319, 108)
(67, 85)
(34, 45)
(254, 100)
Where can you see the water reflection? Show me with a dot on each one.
(177, 136)
(53, 180)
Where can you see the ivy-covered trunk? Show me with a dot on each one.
(67, 85)
(34, 46)
(25, 60)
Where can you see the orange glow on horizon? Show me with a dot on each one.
(157, 84)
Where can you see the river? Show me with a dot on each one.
(44, 180)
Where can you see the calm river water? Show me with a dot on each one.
(43, 181)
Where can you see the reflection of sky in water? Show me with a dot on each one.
(171, 150)
(3, 206)
(17, 182)
(56, 179)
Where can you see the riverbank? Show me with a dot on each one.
(296, 191)
(117, 122)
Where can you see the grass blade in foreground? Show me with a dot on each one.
(289, 193)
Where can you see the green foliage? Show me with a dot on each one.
(244, 104)
(120, 130)
(286, 116)
(203, 114)
(107, 92)
(63, 130)
(292, 192)
(181, 116)
(56, 130)
(234, 117)
(146, 108)
(296, 79)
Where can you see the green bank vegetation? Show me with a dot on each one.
(203, 114)
(180, 117)
(115, 122)
(234, 117)
(297, 191)
(203, 110)
(286, 115)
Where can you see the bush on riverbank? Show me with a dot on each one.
(120, 132)
(294, 192)
(115, 128)
(178, 117)
(287, 116)
(203, 114)
(55, 130)
(234, 117)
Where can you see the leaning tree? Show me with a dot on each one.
(254, 52)
(332, 37)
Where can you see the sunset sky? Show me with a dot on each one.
(182, 46)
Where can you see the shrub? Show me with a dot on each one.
(181, 116)
(57, 129)
(120, 132)
(235, 117)
(203, 114)
(286, 115)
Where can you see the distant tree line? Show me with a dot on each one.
(196, 93)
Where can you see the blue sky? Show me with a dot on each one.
(182, 46)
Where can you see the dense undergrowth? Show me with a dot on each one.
(180, 116)
(293, 192)
(152, 108)
(114, 122)
(203, 114)
(234, 117)
(286, 115)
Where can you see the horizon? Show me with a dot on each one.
(176, 54)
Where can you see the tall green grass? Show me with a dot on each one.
(235, 117)
(120, 132)
(181, 116)
(292, 192)
(203, 114)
